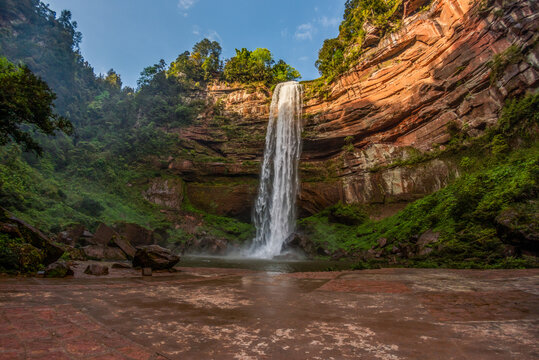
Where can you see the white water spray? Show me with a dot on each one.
(275, 206)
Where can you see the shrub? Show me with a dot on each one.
(90, 207)
(17, 256)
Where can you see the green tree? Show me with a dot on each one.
(258, 66)
(26, 103)
(113, 79)
(207, 54)
(149, 72)
(283, 72)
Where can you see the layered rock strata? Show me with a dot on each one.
(406, 90)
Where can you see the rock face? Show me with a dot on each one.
(97, 270)
(154, 257)
(396, 103)
(168, 193)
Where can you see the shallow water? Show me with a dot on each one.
(278, 266)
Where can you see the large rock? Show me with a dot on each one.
(155, 257)
(302, 243)
(71, 235)
(135, 234)
(97, 252)
(73, 253)
(59, 269)
(96, 270)
(124, 245)
(103, 235)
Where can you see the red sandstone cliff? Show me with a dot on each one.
(400, 96)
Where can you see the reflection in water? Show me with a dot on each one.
(270, 266)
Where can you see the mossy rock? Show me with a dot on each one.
(347, 214)
(18, 256)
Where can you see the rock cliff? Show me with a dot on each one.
(449, 68)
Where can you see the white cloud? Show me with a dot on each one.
(196, 30)
(186, 4)
(284, 33)
(304, 32)
(303, 58)
(213, 36)
(329, 22)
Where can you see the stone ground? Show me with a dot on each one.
(239, 314)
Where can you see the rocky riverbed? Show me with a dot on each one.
(211, 313)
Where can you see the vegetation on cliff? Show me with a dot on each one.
(336, 55)
(499, 185)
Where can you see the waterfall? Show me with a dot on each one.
(275, 206)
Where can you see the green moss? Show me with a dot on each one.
(332, 236)
(348, 214)
(498, 64)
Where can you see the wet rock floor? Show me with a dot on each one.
(204, 313)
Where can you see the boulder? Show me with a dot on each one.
(103, 235)
(135, 234)
(59, 269)
(299, 241)
(96, 252)
(124, 245)
(96, 270)
(74, 253)
(155, 257)
(71, 235)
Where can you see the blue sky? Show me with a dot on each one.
(128, 35)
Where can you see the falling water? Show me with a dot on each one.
(275, 206)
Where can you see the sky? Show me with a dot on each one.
(128, 35)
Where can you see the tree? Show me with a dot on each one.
(202, 64)
(208, 53)
(149, 72)
(113, 79)
(258, 66)
(330, 57)
(283, 72)
(26, 103)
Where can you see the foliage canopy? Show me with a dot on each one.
(26, 103)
